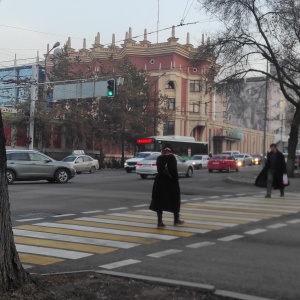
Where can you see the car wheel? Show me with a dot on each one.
(93, 170)
(236, 170)
(189, 172)
(210, 171)
(227, 171)
(144, 176)
(78, 172)
(52, 180)
(200, 167)
(10, 175)
(128, 171)
(62, 176)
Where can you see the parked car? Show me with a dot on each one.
(244, 159)
(147, 166)
(82, 163)
(257, 159)
(130, 164)
(231, 152)
(199, 161)
(222, 162)
(23, 165)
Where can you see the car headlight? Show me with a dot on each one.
(239, 163)
(256, 159)
(194, 163)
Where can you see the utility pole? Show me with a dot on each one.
(266, 114)
(33, 98)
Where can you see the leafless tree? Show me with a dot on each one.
(254, 31)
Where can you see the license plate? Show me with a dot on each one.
(215, 163)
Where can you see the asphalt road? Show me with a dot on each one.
(234, 238)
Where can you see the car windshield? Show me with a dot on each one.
(152, 157)
(197, 157)
(69, 158)
(142, 155)
(256, 155)
(238, 155)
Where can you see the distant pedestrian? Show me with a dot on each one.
(210, 155)
(271, 175)
(166, 190)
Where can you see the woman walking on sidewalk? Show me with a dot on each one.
(166, 190)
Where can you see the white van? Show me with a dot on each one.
(231, 152)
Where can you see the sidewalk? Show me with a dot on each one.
(249, 179)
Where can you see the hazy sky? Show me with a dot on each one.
(27, 26)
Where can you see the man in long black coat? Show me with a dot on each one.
(166, 190)
(271, 175)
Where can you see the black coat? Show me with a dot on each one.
(166, 190)
(280, 169)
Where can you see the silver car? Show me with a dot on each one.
(82, 163)
(243, 159)
(147, 166)
(23, 165)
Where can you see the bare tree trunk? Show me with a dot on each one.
(12, 274)
(293, 142)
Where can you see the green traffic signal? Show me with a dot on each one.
(111, 88)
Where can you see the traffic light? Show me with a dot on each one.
(28, 140)
(111, 88)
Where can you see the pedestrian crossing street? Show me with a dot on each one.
(45, 243)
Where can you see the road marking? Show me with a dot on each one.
(184, 200)
(109, 231)
(213, 197)
(164, 253)
(270, 201)
(51, 252)
(128, 228)
(240, 194)
(199, 245)
(195, 199)
(230, 238)
(25, 266)
(121, 263)
(82, 233)
(28, 220)
(138, 224)
(92, 212)
(279, 225)
(38, 259)
(140, 205)
(63, 245)
(74, 239)
(255, 231)
(62, 216)
(294, 221)
(118, 208)
(189, 220)
(227, 195)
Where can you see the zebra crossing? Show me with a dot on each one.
(49, 242)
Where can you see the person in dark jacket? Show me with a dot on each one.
(166, 190)
(272, 173)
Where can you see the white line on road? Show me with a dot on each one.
(25, 266)
(92, 212)
(195, 199)
(51, 252)
(74, 239)
(213, 197)
(255, 231)
(230, 238)
(140, 205)
(294, 221)
(27, 220)
(120, 264)
(199, 245)
(276, 225)
(118, 208)
(109, 231)
(164, 253)
(65, 215)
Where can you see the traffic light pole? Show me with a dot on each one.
(33, 98)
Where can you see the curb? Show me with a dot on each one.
(246, 181)
(207, 288)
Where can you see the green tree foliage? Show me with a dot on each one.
(254, 31)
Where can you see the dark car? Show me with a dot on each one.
(257, 159)
(23, 165)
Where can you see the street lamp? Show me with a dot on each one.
(46, 56)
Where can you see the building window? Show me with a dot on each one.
(170, 102)
(195, 86)
(196, 108)
(169, 128)
(171, 85)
